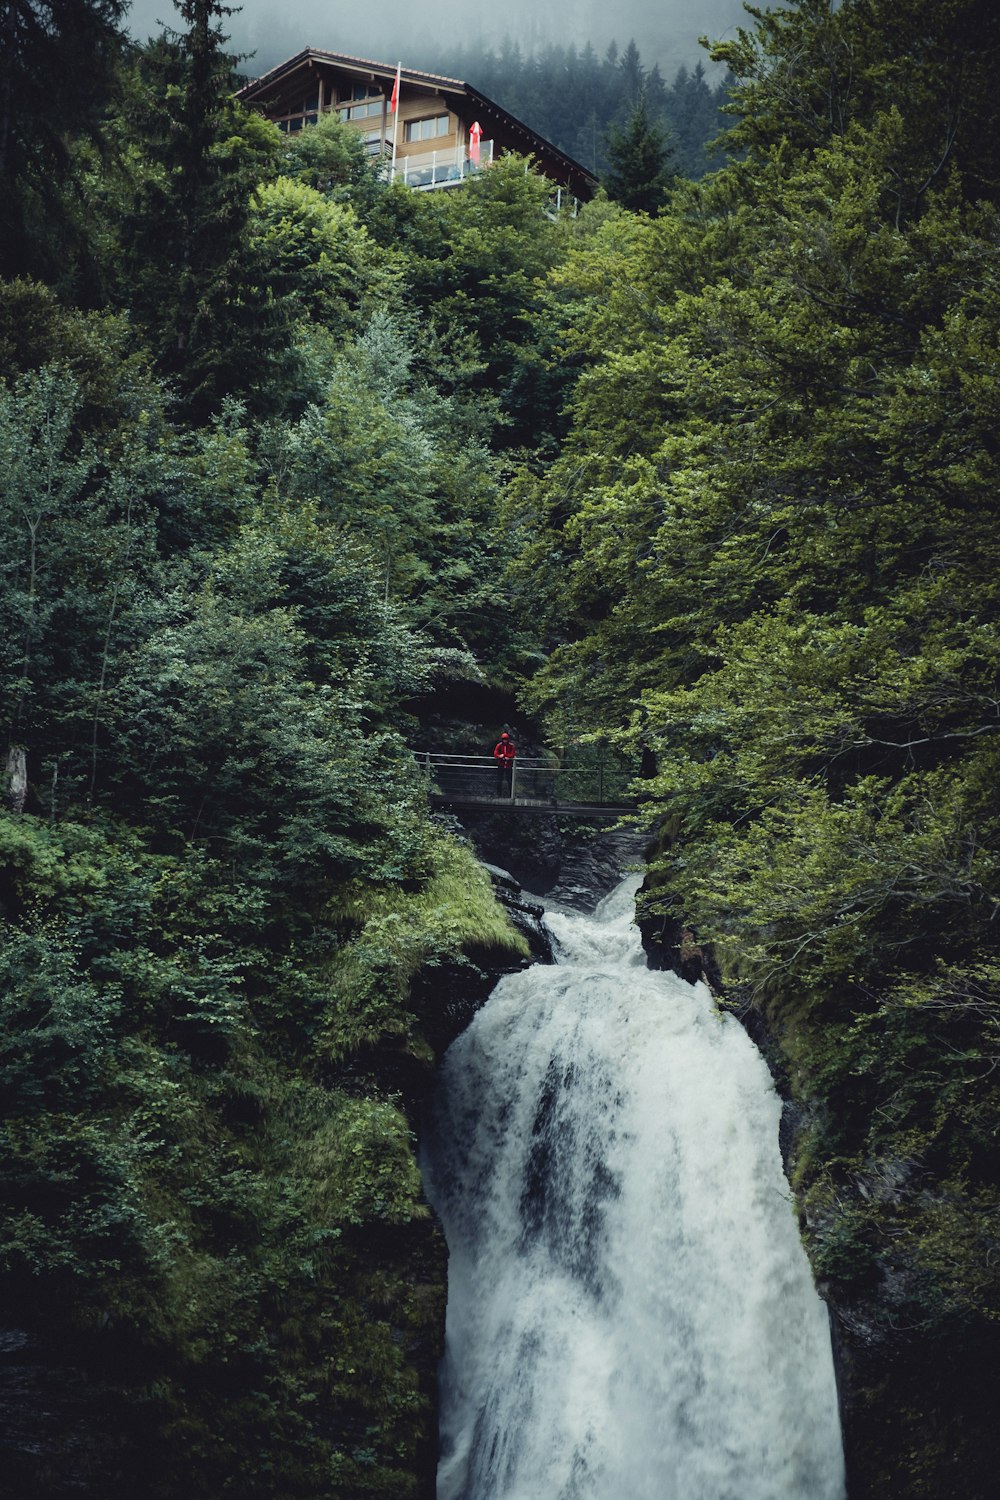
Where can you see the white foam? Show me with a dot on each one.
(631, 1315)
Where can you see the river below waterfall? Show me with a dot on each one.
(631, 1315)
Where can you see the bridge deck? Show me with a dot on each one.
(533, 784)
(586, 810)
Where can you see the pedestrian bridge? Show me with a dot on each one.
(538, 784)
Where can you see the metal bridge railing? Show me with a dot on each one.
(532, 777)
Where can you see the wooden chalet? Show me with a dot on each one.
(444, 129)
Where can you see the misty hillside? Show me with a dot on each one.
(667, 32)
(573, 97)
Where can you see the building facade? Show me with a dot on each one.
(442, 130)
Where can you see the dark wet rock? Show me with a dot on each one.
(525, 915)
(571, 863)
(64, 1431)
(593, 864)
(670, 944)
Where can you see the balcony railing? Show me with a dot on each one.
(435, 169)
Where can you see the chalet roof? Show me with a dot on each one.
(462, 99)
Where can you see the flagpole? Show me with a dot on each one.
(395, 121)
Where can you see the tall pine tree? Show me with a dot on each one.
(213, 326)
(57, 64)
(639, 173)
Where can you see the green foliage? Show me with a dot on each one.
(57, 73)
(191, 275)
(64, 497)
(217, 907)
(638, 175)
(769, 554)
(317, 256)
(99, 350)
(183, 1170)
(476, 259)
(451, 914)
(396, 464)
(811, 71)
(328, 156)
(719, 479)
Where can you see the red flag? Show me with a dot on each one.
(475, 136)
(394, 101)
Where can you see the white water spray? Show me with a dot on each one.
(631, 1315)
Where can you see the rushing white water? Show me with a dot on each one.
(631, 1315)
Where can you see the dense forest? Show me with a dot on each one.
(289, 454)
(575, 98)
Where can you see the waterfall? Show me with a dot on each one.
(631, 1315)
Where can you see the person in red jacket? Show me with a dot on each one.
(503, 753)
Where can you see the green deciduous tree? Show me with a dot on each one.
(813, 70)
(315, 251)
(770, 543)
(330, 156)
(476, 257)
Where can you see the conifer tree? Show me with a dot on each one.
(639, 173)
(211, 323)
(633, 74)
(57, 61)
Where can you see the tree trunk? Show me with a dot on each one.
(17, 777)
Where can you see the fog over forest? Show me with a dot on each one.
(666, 31)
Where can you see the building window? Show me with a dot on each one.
(362, 111)
(426, 130)
(374, 142)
